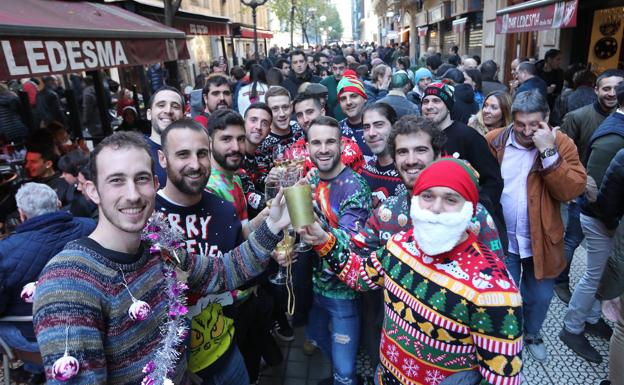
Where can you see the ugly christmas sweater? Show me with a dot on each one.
(447, 313)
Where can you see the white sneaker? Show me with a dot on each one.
(535, 346)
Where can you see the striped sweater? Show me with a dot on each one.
(82, 288)
(451, 312)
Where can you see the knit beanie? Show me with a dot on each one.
(456, 174)
(351, 83)
(399, 79)
(422, 73)
(443, 91)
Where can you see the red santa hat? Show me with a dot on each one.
(455, 174)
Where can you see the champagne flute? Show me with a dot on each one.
(271, 188)
(286, 248)
(280, 155)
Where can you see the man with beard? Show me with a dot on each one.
(352, 97)
(338, 67)
(580, 125)
(185, 155)
(307, 109)
(227, 134)
(284, 132)
(217, 96)
(414, 143)
(466, 143)
(344, 200)
(380, 174)
(541, 170)
(452, 311)
(299, 73)
(85, 292)
(165, 107)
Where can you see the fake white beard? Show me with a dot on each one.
(439, 233)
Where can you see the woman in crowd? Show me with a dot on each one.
(254, 91)
(472, 76)
(496, 112)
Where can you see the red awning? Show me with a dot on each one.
(248, 33)
(537, 15)
(45, 37)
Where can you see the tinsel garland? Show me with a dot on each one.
(167, 244)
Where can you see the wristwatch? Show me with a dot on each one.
(548, 152)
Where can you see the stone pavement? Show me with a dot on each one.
(562, 368)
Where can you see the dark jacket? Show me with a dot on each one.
(11, 124)
(292, 82)
(534, 83)
(471, 146)
(606, 141)
(546, 190)
(49, 106)
(374, 93)
(90, 111)
(465, 105)
(62, 189)
(581, 124)
(488, 86)
(401, 105)
(610, 208)
(555, 76)
(24, 254)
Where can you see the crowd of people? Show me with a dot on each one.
(436, 247)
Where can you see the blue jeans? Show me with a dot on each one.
(231, 370)
(14, 338)
(342, 344)
(536, 294)
(572, 238)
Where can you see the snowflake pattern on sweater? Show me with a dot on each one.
(456, 311)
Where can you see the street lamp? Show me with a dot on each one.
(322, 19)
(254, 4)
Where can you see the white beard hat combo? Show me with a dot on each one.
(440, 233)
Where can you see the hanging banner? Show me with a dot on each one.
(561, 14)
(422, 31)
(37, 57)
(459, 25)
(606, 39)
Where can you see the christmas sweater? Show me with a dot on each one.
(393, 216)
(211, 331)
(264, 152)
(344, 202)
(351, 155)
(447, 313)
(229, 187)
(82, 288)
(384, 181)
(356, 132)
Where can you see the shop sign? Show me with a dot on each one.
(24, 58)
(436, 14)
(561, 14)
(204, 29)
(392, 35)
(422, 31)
